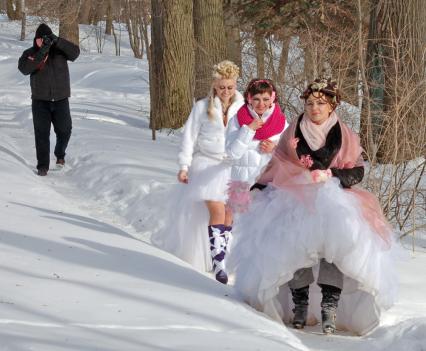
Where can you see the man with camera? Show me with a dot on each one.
(46, 62)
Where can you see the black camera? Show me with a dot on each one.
(47, 41)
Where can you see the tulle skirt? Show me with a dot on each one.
(288, 229)
(185, 232)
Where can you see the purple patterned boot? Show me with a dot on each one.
(218, 249)
(228, 237)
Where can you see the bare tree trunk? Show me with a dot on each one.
(260, 47)
(172, 63)
(18, 9)
(209, 34)
(285, 45)
(24, 20)
(372, 106)
(10, 11)
(109, 15)
(270, 70)
(144, 24)
(137, 18)
(84, 13)
(117, 41)
(69, 31)
(98, 11)
(132, 29)
(13, 9)
(68, 21)
(155, 71)
(232, 32)
(396, 78)
(366, 133)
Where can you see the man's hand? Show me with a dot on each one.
(53, 38)
(41, 53)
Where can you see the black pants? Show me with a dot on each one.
(46, 113)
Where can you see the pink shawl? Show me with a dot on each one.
(285, 170)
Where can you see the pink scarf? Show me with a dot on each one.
(316, 134)
(273, 126)
(285, 170)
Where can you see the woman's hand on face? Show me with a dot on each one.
(267, 146)
(182, 176)
(256, 124)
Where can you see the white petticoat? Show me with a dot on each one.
(285, 230)
(185, 232)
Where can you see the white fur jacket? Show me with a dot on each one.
(204, 136)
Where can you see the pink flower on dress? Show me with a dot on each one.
(293, 142)
(306, 161)
(321, 175)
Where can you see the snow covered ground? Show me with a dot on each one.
(77, 269)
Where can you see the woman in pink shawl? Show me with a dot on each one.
(310, 223)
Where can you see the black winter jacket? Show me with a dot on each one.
(51, 81)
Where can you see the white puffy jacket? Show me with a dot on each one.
(204, 136)
(243, 149)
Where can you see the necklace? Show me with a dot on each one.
(225, 109)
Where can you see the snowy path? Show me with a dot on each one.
(73, 278)
(74, 274)
(73, 281)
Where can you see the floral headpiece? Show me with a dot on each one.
(325, 86)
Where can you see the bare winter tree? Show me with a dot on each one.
(14, 9)
(260, 48)
(232, 32)
(284, 37)
(396, 81)
(63, 10)
(84, 13)
(68, 20)
(393, 109)
(109, 17)
(209, 34)
(172, 63)
(23, 20)
(138, 16)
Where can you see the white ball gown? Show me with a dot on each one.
(293, 223)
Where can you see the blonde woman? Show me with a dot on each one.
(198, 227)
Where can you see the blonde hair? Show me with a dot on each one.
(223, 70)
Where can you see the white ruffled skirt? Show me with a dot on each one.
(185, 232)
(285, 230)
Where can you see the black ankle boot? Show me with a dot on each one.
(300, 310)
(330, 300)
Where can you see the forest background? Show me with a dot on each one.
(375, 49)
